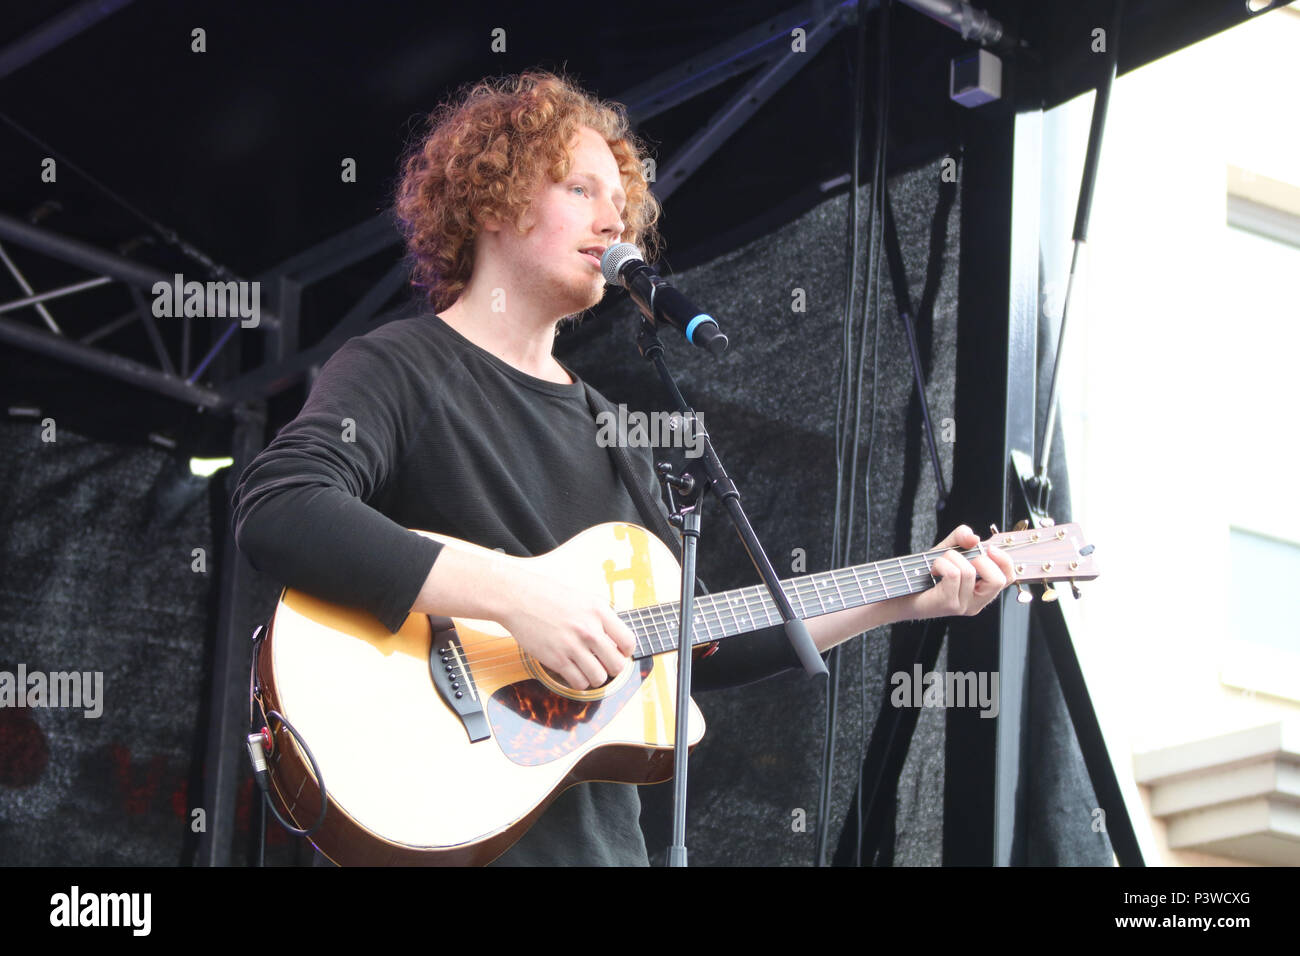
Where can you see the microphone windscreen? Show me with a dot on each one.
(614, 258)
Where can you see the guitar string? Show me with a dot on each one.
(650, 640)
(645, 630)
(648, 631)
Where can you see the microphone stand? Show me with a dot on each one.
(687, 517)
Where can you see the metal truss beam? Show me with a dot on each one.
(44, 38)
(335, 254)
(92, 258)
(743, 52)
(824, 22)
(27, 288)
(106, 363)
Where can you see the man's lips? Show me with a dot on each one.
(590, 258)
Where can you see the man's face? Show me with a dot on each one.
(582, 211)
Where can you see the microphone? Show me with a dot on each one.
(659, 302)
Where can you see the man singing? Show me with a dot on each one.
(463, 422)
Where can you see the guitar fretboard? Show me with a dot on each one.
(743, 610)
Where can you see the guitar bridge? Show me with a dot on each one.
(451, 675)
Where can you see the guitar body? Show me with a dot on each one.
(405, 782)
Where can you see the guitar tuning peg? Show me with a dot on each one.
(1025, 596)
(1075, 588)
(993, 530)
(1021, 525)
(1049, 593)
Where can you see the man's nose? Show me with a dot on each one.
(610, 220)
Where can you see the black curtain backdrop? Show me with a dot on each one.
(98, 574)
(96, 571)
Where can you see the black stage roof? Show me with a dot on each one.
(235, 152)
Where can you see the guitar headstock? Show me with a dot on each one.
(1057, 552)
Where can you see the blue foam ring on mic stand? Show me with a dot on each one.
(690, 328)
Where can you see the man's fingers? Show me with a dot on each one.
(571, 674)
(945, 569)
(609, 658)
(1003, 561)
(954, 537)
(610, 642)
(961, 537)
(965, 571)
(991, 575)
(966, 585)
(592, 669)
(619, 633)
(957, 579)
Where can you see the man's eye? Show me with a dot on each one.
(583, 188)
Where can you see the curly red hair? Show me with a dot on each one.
(486, 149)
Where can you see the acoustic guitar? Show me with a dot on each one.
(442, 743)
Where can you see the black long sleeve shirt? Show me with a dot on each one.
(414, 426)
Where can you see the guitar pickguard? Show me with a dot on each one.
(535, 726)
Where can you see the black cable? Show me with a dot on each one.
(873, 284)
(833, 663)
(842, 391)
(262, 776)
(841, 545)
(871, 444)
(903, 298)
(261, 831)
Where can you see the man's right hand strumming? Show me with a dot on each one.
(575, 635)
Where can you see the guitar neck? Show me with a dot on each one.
(727, 613)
